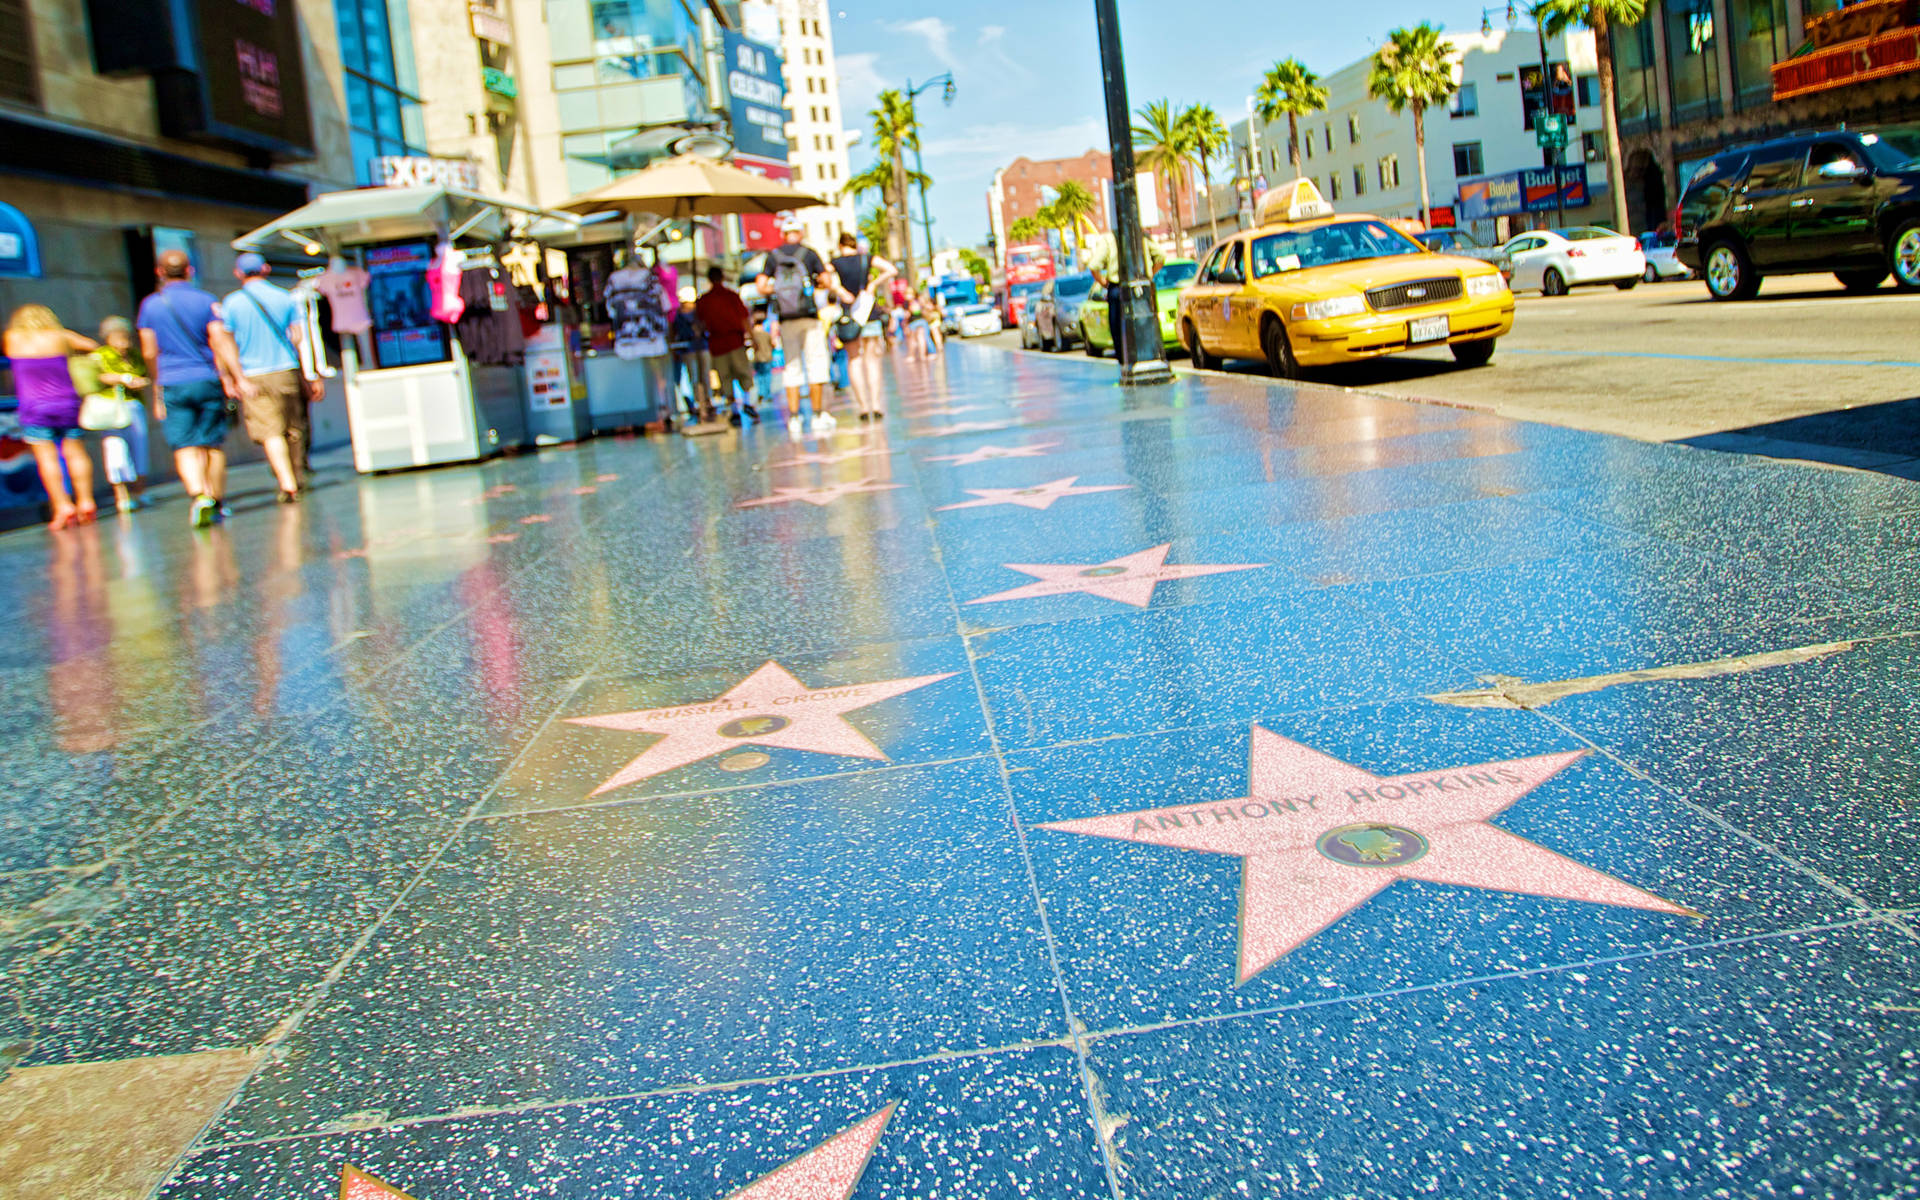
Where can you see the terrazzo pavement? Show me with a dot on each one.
(1045, 792)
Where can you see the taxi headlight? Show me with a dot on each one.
(1486, 285)
(1322, 310)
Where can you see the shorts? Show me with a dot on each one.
(196, 415)
(872, 329)
(50, 433)
(278, 407)
(732, 367)
(804, 345)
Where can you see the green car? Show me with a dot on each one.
(1168, 282)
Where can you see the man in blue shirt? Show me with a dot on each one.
(266, 328)
(196, 368)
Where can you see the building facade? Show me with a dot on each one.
(1026, 185)
(1696, 76)
(1362, 156)
(816, 138)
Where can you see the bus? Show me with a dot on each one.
(1028, 266)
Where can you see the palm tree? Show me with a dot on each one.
(1206, 136)
(879, 178)
(1601, 16)
(877, 225)
(894, 133)
(1160, 146)
(1292, 91)
(1026, 229)
(1071, 201)
(1414, 70)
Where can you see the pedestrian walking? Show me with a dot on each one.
(765, 339)
(124, 372)
(40, 348)
(791, 280)
(265, 323)
(196, 367)
(862, 277)
(727, 319)
(687, 338)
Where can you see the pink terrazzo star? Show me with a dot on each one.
(829, 1171)
(945, 410)
(1318, 837)
(1041, 496)
(585, 489)
(498, 538)
(606, 478)
(970, 427)
(767, 708)
(818, 496)
(829, 457)
(356, 1184)
(985, 453)
(535, 519)
(1130, 579)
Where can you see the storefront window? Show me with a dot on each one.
(1760, 39)
(1633, 75)
(383, 103)
(1693, 60)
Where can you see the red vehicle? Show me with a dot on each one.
(1028, 266)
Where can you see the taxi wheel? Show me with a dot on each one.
(1279, 352)
(1473, 354)
(1202, 361)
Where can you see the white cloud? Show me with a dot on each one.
(993, 44)
(937, 34)
(999, 143)
(860, 82)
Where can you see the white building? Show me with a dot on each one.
(1361, 156)
(816, 143)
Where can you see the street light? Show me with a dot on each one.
(1549, 156)
(947, 92)
(1138, 346)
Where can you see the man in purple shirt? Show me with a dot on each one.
(196, 367)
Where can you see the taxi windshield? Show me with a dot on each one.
(1175, 275)
(1343, 241)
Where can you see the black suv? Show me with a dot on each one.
(1846, 202)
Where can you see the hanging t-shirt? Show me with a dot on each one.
(489, 325)
(636, 304)
(346, 290)
(443, 285)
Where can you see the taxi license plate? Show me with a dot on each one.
(1427, 329)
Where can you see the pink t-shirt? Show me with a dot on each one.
(346, 290)
(443, 285)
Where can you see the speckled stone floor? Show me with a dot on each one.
(1223, 790)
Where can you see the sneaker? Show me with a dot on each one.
(733, 419)
(123, 507)
(794, 425)
(752, 413)
(824, 423)
(203, 511)
(286, 497)
(220, 510)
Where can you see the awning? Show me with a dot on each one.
(383, 214)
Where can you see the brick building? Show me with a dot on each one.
(1025, 185)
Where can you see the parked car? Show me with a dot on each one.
(1168, 282)
(1661, 263)
(1309, 287)
(1029, 337)
(1019, 295)
(1056, 310)
(962, 312)
(1462, 244)
(1846, 201)
(1558, 260)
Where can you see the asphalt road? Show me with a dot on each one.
(1663, 362)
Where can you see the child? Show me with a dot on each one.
(687, 338)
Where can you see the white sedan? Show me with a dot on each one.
(1556, 260)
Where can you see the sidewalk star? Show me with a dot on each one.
(1318, 837)
(768, 708)
(1041, 496)
(830, 457)
(829, 1171)
(818, 496)
(1130, 579)
(985, 453)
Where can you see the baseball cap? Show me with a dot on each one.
(790, 223)
(251, 264)
(688, 294)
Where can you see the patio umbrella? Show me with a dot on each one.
(689, 186)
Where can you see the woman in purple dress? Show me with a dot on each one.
(39, 346)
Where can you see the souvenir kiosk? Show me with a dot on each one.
(415, 397)
(626, 387)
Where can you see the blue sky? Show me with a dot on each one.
(1029, 70)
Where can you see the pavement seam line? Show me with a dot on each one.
(1508, 691)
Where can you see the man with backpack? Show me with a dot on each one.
(266, 323)
(791, 279)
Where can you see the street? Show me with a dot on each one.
(1663, 362)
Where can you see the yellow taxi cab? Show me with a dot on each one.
(1309, 287)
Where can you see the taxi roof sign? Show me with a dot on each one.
(1296, 201)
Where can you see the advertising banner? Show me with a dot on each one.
(1522, 191)
(756, 98)
(19, 245)
(254, 88)
(761, 231)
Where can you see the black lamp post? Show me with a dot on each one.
(946, 95)
(1139, 350)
